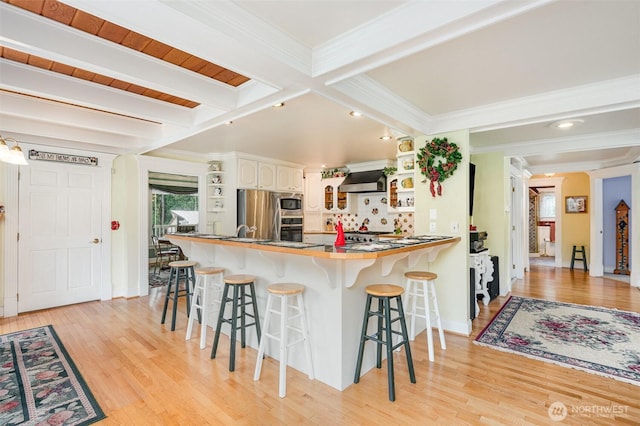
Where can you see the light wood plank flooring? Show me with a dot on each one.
(143, 374)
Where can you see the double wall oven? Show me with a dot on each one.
(288, 217)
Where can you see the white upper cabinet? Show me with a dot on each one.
(335, 201)
(266, 176)
(290, 179)
(247, 174)
(313, 194)
(254, 174)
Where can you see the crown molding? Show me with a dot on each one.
(591, 141)
(378, 98)
(615, 94)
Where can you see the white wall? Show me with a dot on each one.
(451, 208)
(491, 210)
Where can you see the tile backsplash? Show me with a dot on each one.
(372, 211)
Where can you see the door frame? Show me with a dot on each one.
(596, 257)
(164, 165)
(556, 182)
(10, 176)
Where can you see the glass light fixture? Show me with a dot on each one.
(13, 155)
(567, 124)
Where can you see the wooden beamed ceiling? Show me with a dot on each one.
(98, 27)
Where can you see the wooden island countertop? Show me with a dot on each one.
(334, 280)
(318, 250)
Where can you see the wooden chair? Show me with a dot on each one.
(164, 254)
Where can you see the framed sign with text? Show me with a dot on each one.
(62, 158)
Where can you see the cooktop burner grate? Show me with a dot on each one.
(363, 236)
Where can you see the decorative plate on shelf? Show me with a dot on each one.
(407, 183)
(406, 145)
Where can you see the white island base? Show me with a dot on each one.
(334, 295)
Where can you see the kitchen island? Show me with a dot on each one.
(335, 278)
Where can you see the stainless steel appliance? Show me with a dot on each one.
(256, 208)
(369, 181)
(276, 216)
(289, 204)
(476, 241)
(289, 217)
(290, 229)
(363, 237)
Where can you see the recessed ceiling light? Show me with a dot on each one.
(278, 105)
(549, 174)
(228, 123)
(566, 124)
(385, 138)
(355, 114)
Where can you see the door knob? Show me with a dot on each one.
(95, 240)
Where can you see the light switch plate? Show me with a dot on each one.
(433, 214)
(454, 227)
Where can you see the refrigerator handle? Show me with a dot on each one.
(276, 225)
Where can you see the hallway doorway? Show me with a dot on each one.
(544, 222)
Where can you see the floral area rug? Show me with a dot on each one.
(40, 384)
(593, 339)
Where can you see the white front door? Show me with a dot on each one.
(60, 215)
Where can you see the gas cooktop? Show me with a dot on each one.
(368, 236)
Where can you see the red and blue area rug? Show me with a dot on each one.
(589, 338)
(40, 384)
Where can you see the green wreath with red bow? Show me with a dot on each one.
(438, 160)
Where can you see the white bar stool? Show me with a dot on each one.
(421, 285)
(205, 277)
(284, 291)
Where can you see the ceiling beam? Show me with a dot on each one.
(34, 34)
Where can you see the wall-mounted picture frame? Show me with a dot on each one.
(575, 204)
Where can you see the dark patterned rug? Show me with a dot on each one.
(589, 338)
(40, 384)
(160, 279)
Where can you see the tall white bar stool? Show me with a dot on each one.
(284, 292)
(421, 288)
(206, 277)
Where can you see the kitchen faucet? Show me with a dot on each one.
(252, 229)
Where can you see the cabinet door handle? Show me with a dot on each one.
(95, 241)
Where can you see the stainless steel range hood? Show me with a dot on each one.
(370, 181)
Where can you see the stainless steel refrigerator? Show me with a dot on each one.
(257, 208)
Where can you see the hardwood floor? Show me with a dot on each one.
(143, 374)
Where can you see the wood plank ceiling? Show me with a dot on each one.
(88, 23)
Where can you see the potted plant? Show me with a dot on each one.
(390, 170)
